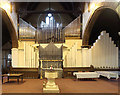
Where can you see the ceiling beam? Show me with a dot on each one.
(46, 12)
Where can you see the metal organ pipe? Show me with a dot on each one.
(104, 52)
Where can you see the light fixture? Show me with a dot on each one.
(5, 5)
(51, 18)
(93, 6)
(49, 14)
(119, 33)
(57, 25)
(118, 0)
(47, 20)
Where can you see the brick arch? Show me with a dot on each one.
(102, 19)
(11, 29)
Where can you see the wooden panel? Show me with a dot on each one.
(27, 72)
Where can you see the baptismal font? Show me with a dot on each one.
(51, 73)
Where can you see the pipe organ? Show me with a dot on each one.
(104, 52)
(26, 56)
(50, 54)
(26, 31)
(73, 29)
(72, 53)
(49, 28)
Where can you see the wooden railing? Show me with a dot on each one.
(28, 73)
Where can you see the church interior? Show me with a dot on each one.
(60, 47)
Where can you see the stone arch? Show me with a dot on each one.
(11, 29)
(103, 18)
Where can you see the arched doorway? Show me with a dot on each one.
(102, 19)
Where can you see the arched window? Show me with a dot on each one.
(49, 28)
(49, 20)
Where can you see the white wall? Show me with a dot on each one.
(86, 17)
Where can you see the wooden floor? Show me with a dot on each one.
(102, 85)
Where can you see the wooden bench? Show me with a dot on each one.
(17, 76)
(109, 74)
(68, 71)
(86, 75)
